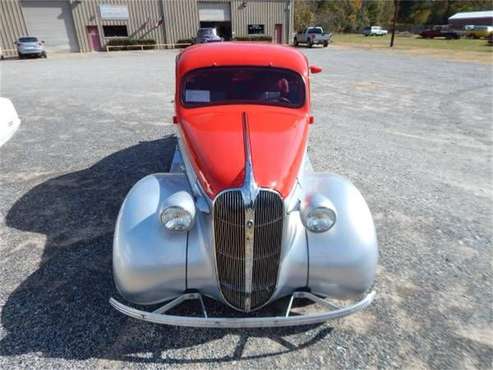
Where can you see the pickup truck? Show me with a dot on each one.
(374, 31)
(313, 36)
(440, 31)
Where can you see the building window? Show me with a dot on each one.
(115, 31)
(256, 29)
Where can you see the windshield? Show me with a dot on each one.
(206, 31)
(28, 39)
(243, 85)
(315, 30)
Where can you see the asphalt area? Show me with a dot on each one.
(413, 133)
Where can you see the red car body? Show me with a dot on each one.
(213, 135)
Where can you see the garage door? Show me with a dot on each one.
(214, 12)
(52, 22)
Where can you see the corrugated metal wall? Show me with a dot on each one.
(11, 25)
(181, 19)
(268, 13)
(143, 15)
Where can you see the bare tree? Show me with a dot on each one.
(396, 14)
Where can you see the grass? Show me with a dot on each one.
(466, 49)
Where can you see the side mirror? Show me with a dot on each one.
(42, 42)
(315, 69)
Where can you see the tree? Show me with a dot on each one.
(303, 14)
(394, 21)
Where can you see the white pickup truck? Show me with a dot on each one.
(374, 31)
(313, 36)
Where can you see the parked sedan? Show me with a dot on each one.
(205, 35)
(30, 46)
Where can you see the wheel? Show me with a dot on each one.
(21, 56)
(326, 43)
(310, 43)
(44, 55)
(296, 42)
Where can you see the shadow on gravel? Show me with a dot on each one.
(62, 309)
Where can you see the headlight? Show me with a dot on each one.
(175, 218)
(319, 219)
(318, 213)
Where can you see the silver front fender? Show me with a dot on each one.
(149, 262)
(343, 260)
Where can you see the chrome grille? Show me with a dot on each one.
(266, 246)
(229, 234)
(231, 257)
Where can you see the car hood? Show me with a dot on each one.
(214, 141)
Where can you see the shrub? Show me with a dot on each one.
(184, 41)
(254, 38)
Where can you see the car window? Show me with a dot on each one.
(243, 85)
(314, 30)
(28, 39)
(206, 31)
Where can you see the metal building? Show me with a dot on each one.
(459, 20)
(87, 25)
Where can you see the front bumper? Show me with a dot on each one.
(159, 316)
(30, 51)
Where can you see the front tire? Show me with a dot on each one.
(326, 43)
(44, 55)
(310, 43)
(296, 42)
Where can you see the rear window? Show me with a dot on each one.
(206, 31)
(28, 39)
(314, 30)
(243, 85)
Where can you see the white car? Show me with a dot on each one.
(9, 120)
(374, 31)
(30, 46)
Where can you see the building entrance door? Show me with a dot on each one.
(93, 36)
(278, 33)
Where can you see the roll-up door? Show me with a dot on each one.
(52, 22)
(214, 12)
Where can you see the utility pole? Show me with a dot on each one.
(396, 13)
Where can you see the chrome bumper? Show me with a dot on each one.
(159, 316)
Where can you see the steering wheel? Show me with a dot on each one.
(280, 99)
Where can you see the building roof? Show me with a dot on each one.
(241, 53)
(469, 15)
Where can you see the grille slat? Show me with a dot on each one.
(229, 232)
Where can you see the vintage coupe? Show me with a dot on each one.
(241, 217)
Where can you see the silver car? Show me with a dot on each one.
(205, 35)
(30, 46)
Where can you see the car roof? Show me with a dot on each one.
(241, 54)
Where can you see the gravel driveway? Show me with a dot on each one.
(413, 133)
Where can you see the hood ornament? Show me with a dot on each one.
(250, 187)
(249, 192)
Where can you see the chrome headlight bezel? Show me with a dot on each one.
(318, 206)
(178, 212)
(176, 218)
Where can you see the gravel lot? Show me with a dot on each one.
(413, 133)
